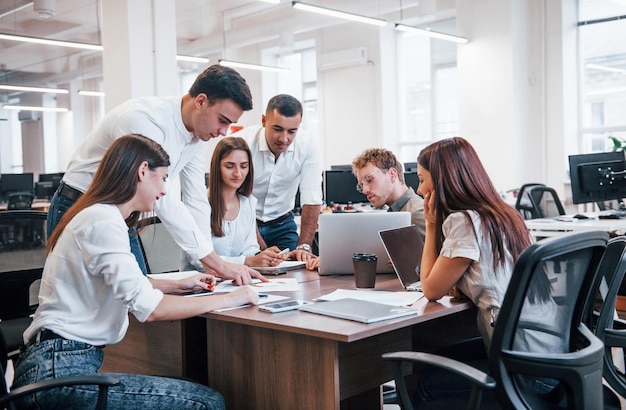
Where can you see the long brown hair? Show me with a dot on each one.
(218, 207)
(461, 184)
(116, 180)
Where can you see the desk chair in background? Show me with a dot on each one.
(22, 257)
(161, 253)
(523, 203)
(20, 201)
(577, 365)
(545, 202)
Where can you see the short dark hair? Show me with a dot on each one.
(287, 105)
(220, 83)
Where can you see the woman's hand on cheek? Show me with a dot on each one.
(429, 207)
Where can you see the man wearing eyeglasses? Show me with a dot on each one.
(380, 177)
(285, 160)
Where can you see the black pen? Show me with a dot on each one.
(263, 295)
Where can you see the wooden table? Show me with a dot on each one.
(288, 360)
(301, 360)
(38, 205)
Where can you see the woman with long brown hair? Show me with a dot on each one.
(91, 281)
(473, 239)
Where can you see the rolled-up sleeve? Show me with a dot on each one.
(459, 237)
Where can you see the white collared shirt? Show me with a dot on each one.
(239, 238)
(276, 182)
(91, 281)
(159, 119)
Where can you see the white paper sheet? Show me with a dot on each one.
(380, 296)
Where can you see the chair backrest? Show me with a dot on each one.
(20, 201)
(545, 202)
(161, 253)
(3, 365)
(523, 204)
(539, 334)
(23, 242)
(601, 314)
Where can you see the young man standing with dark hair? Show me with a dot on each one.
(218, 98)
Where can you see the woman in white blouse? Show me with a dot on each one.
(233, 217)
(91, 281)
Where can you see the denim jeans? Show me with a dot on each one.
(56, 358)
(282, 235)
(60, 204)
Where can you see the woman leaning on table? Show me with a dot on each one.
(91, 281)
(473, 239)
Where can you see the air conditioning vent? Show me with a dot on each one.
(342, 58)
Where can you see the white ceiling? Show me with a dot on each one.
(204, 27)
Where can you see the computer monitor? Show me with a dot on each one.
(410, 167)
(55, 178)
(340, 188)
(17, 183)
(411, 179)
(44, 189)
(342, 167)
(597, 177)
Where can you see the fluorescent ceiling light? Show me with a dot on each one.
(50, 42)
(271, 1)
(430, 33)
(15, 10)
(258, 67)
(33, 89)
(606, 68)
(336, 13)
(91, 93)
(32, 108)
(192, 59)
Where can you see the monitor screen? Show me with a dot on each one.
(55, 178)
(410, 167)
(597, 177)
(17, 183)
(411, 179)
(340, 188)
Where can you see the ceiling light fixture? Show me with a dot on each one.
(430, 33)
(37, 40)
(271, 1)
(192, 59)
(45, 9)
(606, 68)
(33, 108)
(15, 10)
(258, 67)
(33, 89)
(90, 93)
(336, 13)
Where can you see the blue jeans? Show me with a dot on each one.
(283, 234)
(56, 358)
(60, 204)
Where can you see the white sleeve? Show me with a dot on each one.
(311, 175)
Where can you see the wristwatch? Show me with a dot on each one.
(304, 247)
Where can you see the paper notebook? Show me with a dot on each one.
(358, 310)
(283, 267)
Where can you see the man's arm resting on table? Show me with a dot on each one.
(240, 274)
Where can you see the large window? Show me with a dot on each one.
(602, 31)
(427, 91)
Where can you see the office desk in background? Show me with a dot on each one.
(547, 227)
(286, 360)
(38, 205)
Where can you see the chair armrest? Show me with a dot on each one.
(615, 337)
(103, 381)
(471, 373)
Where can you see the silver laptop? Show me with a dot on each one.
(358, 310)
(342, 234)
(404, 247)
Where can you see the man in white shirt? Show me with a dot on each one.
(380, 177)
(282, 164)
(218, 98)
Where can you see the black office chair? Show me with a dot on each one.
(602, 315)
(8, 399)
(22, 257)
(161, 253)
(545, 202)
(523, 204)
(20, 201)
(575, 361)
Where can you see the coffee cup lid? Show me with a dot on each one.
(364, 257)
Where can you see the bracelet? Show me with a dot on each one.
(304, 247)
